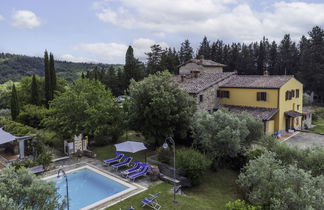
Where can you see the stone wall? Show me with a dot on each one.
(210, 101)
(213, 69)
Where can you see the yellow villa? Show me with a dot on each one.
(276, 100)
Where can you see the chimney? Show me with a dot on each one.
(265, 73)
(196, 74)
(201, 58)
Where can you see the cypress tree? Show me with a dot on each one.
(52, 75)
(130, 65)
(34, 91)
(47, 79)
(82, 76)
(14, 103)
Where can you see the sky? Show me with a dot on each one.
(101, 30)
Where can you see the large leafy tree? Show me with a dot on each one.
(86, 107)
(158, 109)
(22, 190)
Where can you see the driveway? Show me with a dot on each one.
(304, 140)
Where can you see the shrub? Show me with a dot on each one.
(254, 154)
(164, 155)
(192, 164)
(269, 183)
(44, 158)
(313, 160)
(51, 138)
(32, 115)
(255, 128)
(240, 205)
(309, 159)
(24, 163)
(5, 114)
(16, 128)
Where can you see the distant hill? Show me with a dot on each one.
(14, 67)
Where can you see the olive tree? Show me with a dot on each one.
(23, 190)
(219, 134)
(267, 182)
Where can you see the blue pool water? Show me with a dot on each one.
(87, 187)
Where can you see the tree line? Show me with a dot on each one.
(37, 94)
(304, 59)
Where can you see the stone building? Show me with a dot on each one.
(203, 86)
(201, 65)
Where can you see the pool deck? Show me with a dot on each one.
(141, 184)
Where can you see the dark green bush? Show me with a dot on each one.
(309, 159)
(24, 163)
(314, 161)
(254, 154)
(32, 115)
(16, 128)
(164, 155)
(192, 164)
(44, 158)
(240, 205)
(51, 138)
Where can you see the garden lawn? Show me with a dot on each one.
(108, 151)
(319, 126)
(216, 190)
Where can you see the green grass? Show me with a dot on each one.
(319, 126)
(216, 190)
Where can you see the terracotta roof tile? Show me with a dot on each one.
(257, 112)
(257, 81)
(204, 62)
(203, 81)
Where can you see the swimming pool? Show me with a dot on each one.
(89, 187)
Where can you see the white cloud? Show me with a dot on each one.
(1, 18)
(113, 52)
(25, 19)
(224, 19)
(71, 58)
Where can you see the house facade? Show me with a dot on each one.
(275, 100)
(203, 86)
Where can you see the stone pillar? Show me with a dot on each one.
(21, 149)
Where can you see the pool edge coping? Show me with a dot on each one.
(103, 203)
